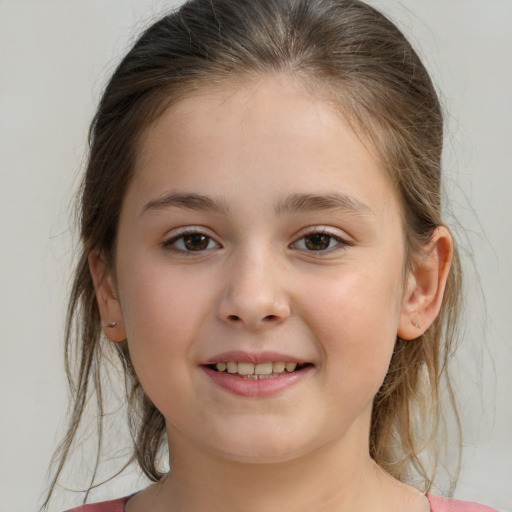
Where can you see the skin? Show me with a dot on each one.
(258, 286)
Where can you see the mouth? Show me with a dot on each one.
(257, 374)
(257, 371)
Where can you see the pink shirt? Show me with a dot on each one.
(437, 504)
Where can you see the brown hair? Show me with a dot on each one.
(366, 65)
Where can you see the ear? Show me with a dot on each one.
(425, 285)
(106, 296)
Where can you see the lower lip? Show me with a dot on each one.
(259, 388)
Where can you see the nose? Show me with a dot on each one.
(254, 296)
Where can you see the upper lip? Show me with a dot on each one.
(241, 356)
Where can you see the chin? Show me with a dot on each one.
(261, 447)
(260, 455)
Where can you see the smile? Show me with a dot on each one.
(264, 370)
(256, 375)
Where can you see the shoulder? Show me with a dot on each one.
(105, 506)
(440, 504)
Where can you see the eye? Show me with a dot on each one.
(319, 241)
(193, 241)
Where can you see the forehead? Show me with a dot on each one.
(272, 127)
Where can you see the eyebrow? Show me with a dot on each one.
(295, 203)
(186, 200)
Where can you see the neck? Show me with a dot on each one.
(315, 482)
(337, 477)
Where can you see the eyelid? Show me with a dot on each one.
(342, 238)
(178, 233)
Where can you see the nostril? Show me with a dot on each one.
(235, 318)
(270, 317)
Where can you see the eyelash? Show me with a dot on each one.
(340, 242)
(170, 244)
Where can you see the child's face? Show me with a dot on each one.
(259, 227)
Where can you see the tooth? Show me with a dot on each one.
(232, 367)
(263, 369)
(278, 367)
(290, 367)
(221, 366)
(245, 368)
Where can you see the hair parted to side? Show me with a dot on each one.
(362, 62)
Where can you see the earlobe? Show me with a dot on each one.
(106, 297)
(426, 285)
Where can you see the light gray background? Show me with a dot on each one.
(54, 59)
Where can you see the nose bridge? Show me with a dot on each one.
(254, 294)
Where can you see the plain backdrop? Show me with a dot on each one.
(55, 56)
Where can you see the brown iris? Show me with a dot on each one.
(196, 242)
(317, 242)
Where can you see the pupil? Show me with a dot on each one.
(196, 242)
(318, 242)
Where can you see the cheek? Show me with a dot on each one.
(162, 310)
(155, 306)
(159, 298)
(355, 320)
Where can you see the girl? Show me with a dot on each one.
(262, 243)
